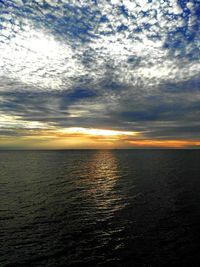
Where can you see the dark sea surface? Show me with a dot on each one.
(100, 208)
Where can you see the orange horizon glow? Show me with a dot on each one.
(165, 143)
(81, 138)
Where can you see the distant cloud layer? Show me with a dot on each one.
(120, 65)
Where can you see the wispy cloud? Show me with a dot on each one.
(119, 65)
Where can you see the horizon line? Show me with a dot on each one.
(67, 149)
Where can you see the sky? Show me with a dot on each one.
(99, 74)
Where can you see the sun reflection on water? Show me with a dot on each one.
(102, 170)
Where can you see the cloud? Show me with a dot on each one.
(122, 65)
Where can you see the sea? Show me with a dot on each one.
(100, 208)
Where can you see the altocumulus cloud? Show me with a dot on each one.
(120, 64)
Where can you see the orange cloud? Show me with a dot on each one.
(165, 143)
(77, 137)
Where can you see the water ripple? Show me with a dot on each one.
(99, 208)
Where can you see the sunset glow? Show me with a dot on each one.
(97, 132)
(85, 138)
(99, 74)
(165, 143)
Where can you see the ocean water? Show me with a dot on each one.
(100, 208)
